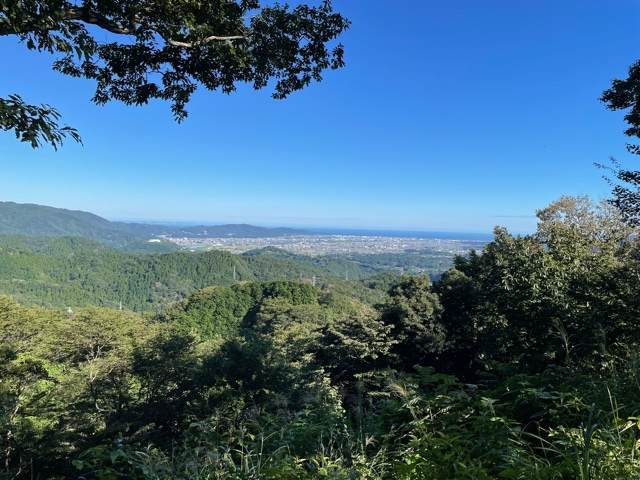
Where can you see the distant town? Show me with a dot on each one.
(315, 245)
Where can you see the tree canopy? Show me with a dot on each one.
(159, 49)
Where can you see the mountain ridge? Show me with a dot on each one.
(32, 219)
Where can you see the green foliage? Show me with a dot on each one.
(34, 124)
(555, 297)
(212, 312)
(64, 379)
(412, 312)
(520, 363)
(353, 344)
(623, 95)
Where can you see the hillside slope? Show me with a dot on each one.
(71, 271)
(40, 220)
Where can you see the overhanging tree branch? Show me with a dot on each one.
(174, 47)
(94, 18)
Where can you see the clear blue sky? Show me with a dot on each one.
(450, 115)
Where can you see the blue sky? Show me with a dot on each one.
(453, 115)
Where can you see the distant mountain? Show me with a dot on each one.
(39, 220)
(42, 221)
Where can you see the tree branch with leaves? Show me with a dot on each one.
(625, 95)
(161, 49)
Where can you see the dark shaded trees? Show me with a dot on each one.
(412, 313)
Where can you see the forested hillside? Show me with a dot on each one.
(521, 362)
(431, 262)
(64, 271)
(40, 220)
